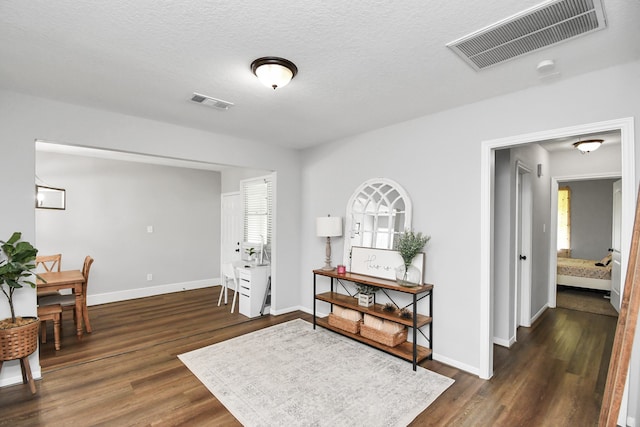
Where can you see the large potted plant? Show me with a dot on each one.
(409, 245)
(18, 335)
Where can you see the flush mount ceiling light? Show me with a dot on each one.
(588, 145)
(273, 71)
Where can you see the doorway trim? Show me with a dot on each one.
(523, 218)
(487, 168)
(553, 225)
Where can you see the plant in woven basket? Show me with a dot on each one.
(17, 262)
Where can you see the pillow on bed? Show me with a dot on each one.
(604, 261)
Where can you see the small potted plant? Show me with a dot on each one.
(409, 245)
(366, 295)
(18, 335)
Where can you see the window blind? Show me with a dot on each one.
(257, 197)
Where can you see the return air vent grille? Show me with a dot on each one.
(541, 26)
(211, 102)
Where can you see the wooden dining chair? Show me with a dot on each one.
(68, 302)
(48, 263)
(50, 313)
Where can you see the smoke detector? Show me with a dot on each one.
(211, 102)
(541, 26)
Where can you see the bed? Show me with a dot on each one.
(585, 273)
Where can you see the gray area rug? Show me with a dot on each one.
(292, 375)
(581, 300)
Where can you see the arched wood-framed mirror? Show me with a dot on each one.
(378, 211)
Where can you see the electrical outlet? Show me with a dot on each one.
(149, 276)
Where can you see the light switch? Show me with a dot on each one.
(149, 228)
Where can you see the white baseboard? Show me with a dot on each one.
(456, 364)
(539, 313)
(288, 310)
(150, 291)
(504, 343)
(13, 367)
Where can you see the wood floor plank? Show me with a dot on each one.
(127, 373)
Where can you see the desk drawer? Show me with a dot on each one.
(244, 306)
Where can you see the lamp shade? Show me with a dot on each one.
(588, 145)
(329, 226)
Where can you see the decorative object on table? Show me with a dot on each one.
(328, 226)
(366, 295)
(406, 313)
(409, 245)
(18, 335)
(250, 253)
(341, 269)
(345, 319)
(380, 263)
(389, 307)
(383, 331)
(377, 212)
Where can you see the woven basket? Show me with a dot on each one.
(390, 340)
(344, 324)
(19, 342)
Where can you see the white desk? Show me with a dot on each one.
(253, 284)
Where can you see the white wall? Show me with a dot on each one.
(437, 159)
(503, 314)
(24, 119)
(572, 163)
(591, 217)
(110, 204)
(231, 177)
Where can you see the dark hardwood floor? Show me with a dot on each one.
(126, 372)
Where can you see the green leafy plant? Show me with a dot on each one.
(366, 289)
(17, 262)
(409, 245)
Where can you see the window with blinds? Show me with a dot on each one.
(257, 200)
(564, 220)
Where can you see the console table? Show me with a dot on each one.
(408, 350)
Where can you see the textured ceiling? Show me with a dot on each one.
(362, 64)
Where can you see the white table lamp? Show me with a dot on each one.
(328, 226)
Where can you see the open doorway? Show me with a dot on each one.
(585, 236)
(488, 159)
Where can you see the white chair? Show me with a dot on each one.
(228, 273)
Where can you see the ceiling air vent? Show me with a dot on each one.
(541, 26)
(211, 102)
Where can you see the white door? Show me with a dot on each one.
(524, 206)
(616, 244)
(231, 227)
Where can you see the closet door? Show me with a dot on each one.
(616, 237)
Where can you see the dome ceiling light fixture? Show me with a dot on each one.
(588, 145)
(273, 71)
